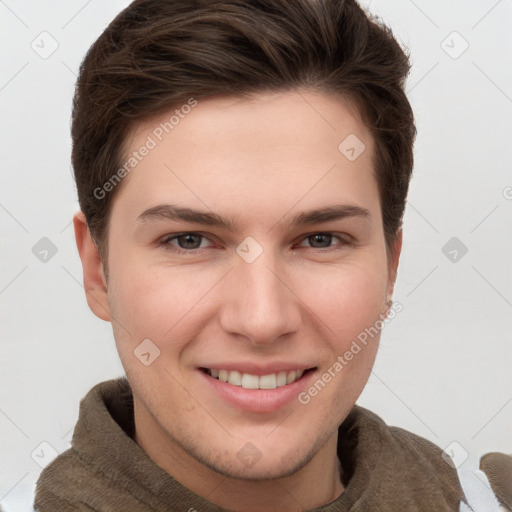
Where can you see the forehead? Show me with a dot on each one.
(268, 152)
(252, 123)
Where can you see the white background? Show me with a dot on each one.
(444, 365)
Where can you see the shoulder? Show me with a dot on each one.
(73, 480)
(398, 466)
(488, 488)
(52, 488)
(484, 489)
(411, 447)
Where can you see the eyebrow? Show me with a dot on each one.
(314, 216)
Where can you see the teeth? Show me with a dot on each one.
(281, 379)
(268, 381)
(235, 378)
(249, 381)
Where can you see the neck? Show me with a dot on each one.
(315, 484)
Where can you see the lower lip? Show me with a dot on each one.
(259, 400)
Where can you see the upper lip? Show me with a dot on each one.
(259, 369)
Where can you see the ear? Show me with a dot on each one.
(95, 284)
(393, 259)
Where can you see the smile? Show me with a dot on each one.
(250, 381)
(256, 389)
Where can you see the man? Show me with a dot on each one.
(242, 170)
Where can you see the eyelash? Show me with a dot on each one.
(166, 242)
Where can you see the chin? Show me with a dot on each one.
(259, 460)
(261, 470)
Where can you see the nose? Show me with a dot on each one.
(259, 303)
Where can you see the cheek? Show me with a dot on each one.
(158, 303)
(348, 306)
(346, 299)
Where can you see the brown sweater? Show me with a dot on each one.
(386, 469)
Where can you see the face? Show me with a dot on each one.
(246, 246)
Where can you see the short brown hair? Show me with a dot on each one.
(157, 54)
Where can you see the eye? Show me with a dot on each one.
(185, 241)
(324, 241)
(190, 242)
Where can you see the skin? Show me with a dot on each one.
(258, 162)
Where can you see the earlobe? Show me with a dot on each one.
(95, 285)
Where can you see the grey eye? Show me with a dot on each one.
(320, 240)
(189, 241)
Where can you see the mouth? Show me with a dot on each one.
(251, 381)
(256, 388)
